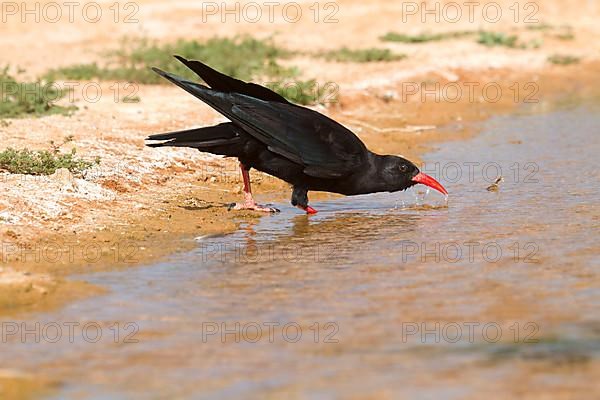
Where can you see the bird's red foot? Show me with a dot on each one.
(308, 209)
(253, 207)
(250, 204)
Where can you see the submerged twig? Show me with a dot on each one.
(496, 185)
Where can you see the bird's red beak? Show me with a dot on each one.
(426, 180)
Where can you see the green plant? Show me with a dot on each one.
(559, 59)
(493, 39)
(565, 36)
(305, 92)
(424, 37)
(18, 99)
(241, 57)
(78, 72)
(564, 32)
(43, 162)
(362, 55)
(131, 99)
(540, 27)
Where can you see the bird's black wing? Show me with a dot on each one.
(326, 148)
(224, 83)
(323, 146)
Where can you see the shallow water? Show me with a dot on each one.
(395, 295)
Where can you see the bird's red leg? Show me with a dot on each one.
(308, 209)
(249, 203)
(300, 200)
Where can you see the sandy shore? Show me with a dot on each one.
(140, 204)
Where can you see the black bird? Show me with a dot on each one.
(293, 143)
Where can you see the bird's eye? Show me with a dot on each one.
(403, 168)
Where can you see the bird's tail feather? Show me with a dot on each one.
(223, 83)
(214, 98)
(212, 138)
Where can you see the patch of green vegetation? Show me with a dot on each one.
(532, 44)
(559, 59)
(540, 27)
(565, 36)
(131, 99)
(362, 55)
(241, 57)
(43, 162)
(494, 39)
(564, 32)
(78, 72)
(497, 39)
(306, 92)
(19, 99)
(424, 37)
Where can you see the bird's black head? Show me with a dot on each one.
(400, 174)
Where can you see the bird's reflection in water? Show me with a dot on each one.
(333, 239)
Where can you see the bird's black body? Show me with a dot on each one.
(293, 143)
